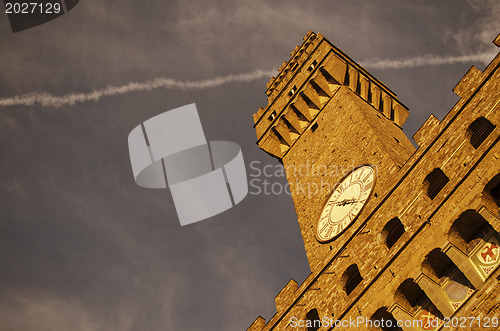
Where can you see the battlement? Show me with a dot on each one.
(465, 88)
(306, 83)
(285, 297)
(258, 324)
(288, 67)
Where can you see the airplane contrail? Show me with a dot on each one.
(427, 60)
(50, 100)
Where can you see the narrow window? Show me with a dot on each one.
(392, 231)
(434, 182)
(351, 278)
(314, 127)
(478, 131)
(312, 66)
(292, 91)
(272, 116)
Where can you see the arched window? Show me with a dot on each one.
(467, 230)
(492, 189)
(383, 320)
(478, 131)
(392, 231)
(434, 182)
(351, 278)
(438, 265)
(313, 321)
(410, 295)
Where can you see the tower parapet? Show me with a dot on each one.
(306, 83)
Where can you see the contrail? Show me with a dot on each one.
(427, 60)
(49, 100)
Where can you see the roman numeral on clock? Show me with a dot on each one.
(366, 177)
(326, 231)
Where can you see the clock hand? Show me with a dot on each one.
(341, 203)
(360, 200)
(345, 202)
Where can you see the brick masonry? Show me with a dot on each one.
(326, 116)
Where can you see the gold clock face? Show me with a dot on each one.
(345, 203)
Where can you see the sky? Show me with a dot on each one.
(82, 247)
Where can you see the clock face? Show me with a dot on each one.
(345, 203)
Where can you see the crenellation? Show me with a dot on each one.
(257, 325)
(290, 68)
(468, 83)
(286, 295)
(427, 131)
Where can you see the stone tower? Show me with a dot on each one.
(326, 116)
(392, 233)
